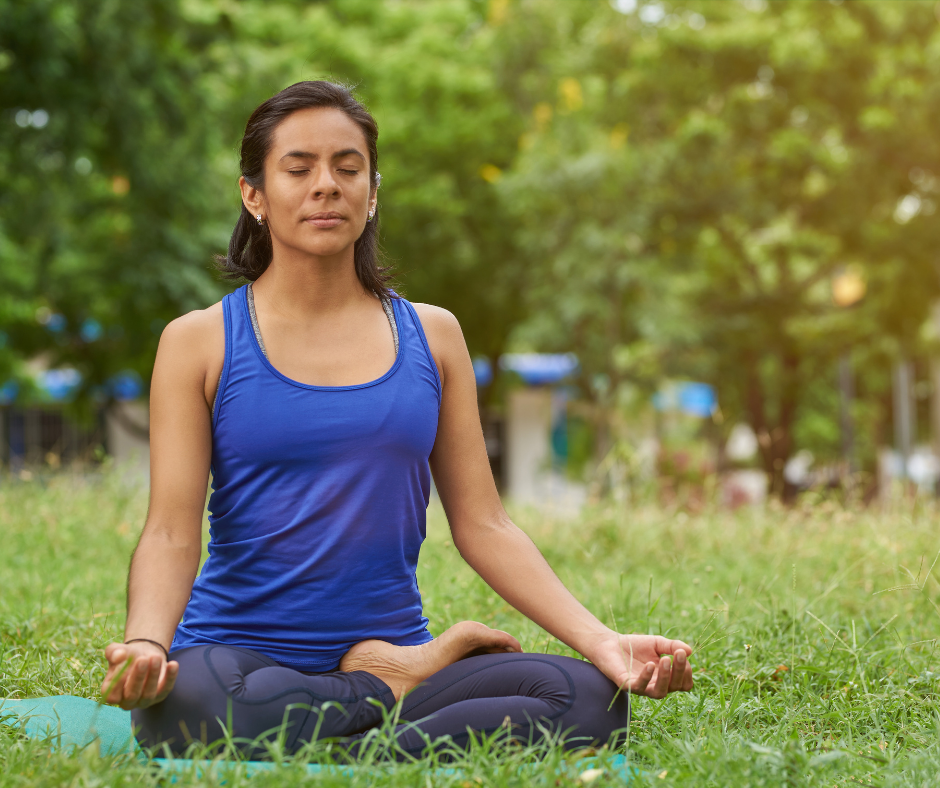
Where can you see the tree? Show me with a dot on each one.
(760, 152)
(423, 69)
(668, 189)
(121, 183)
(108, 216)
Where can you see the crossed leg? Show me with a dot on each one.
(224, 690)
(530, 696)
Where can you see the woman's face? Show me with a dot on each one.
(317, 190)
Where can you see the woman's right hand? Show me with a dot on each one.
(146, 681)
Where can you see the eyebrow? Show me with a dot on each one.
(302, 154)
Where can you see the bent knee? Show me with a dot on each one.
(599, 710)
(199, 706)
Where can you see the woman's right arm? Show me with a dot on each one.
(166, 560)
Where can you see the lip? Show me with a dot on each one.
(324, 219)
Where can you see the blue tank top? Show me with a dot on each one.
(318, 506)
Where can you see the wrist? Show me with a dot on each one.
(155, 643)
(594, 641)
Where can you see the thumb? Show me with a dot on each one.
(642, 678)
(116, 652)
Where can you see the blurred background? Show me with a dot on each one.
(694, 246)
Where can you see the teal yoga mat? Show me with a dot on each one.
(68, 722)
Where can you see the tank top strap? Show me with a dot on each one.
(244, 349)
(234, 315)
(226, 356)
(422, 350)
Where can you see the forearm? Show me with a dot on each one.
(161, 579)
(513, 567)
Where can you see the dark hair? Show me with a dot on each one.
(250, 250)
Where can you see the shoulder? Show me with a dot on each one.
(194, 329)
(445, 337)
(194, 344)
(438, 321)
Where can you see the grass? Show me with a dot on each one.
(815, 630)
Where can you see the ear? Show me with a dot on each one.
(373, 199)
(252, 198)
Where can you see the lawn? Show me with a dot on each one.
(815, 629)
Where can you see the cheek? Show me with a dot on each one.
(288, 192)
(285, 202)
(360, 196)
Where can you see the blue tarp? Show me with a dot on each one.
(539, 369)
(693, 399)
(61, 385)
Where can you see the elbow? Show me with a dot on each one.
(473, 537)
(186, 543)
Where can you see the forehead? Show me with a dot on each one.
(320, 130)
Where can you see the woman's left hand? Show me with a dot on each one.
(644, 664)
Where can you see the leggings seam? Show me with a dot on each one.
(571, 687)
(305, 690)
(300, 728)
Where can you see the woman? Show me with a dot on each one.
(318, 399)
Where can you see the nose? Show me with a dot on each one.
(324, 183)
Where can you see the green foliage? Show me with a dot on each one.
(691, 184)
(109, 207)
(113, 209)
(424, 70)
(667, 189)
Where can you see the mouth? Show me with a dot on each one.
(324, 220)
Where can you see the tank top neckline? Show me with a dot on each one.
(253, 339)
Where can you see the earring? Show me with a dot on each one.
(258, 217)
(371, 213)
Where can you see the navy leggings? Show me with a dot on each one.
(256, 698)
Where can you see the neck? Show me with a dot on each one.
(300, 285)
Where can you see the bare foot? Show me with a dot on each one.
(404, 667)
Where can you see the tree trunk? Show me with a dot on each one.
(775, 441)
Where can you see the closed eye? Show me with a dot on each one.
(298, 172)
(349, 172)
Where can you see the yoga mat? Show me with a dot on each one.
(69, 722)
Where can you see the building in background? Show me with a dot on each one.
(527, 442)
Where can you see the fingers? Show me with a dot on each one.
(511, 643)
(134, 683)
(506, 643)
(169, 680)
(143, 678)
(663, 678)
(641, 682)
(158, 684)
(670, 674)
(666, 669)
(679, 665)
(665, 646)
(116, 652)
(654, 679)
(110, 689)
(112, 686)
(688, 680)
(135, 679)
(153, 678)
(682, 679)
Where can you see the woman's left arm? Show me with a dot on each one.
(504, 556)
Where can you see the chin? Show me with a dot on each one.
(327, 248)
